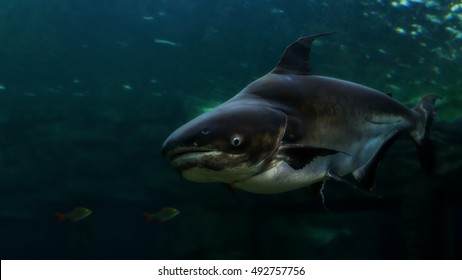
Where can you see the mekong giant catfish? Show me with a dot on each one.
(289, 129)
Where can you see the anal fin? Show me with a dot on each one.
(333, 175)
(366, 175)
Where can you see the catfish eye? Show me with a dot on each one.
(205, 131)
(236, 140)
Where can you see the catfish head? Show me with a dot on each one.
(231, 143)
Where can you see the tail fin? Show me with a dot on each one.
(426, 112)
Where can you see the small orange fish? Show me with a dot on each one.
(76, 215)
(164, 214)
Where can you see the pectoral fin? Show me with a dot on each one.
(299, 155)
(316, 191)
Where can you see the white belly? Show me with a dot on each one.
(282, 178)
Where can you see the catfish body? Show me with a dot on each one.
(289, 129)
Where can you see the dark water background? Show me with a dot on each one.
(87, 96)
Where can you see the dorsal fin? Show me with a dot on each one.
(295, 58)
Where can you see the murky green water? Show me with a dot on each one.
(90, 90)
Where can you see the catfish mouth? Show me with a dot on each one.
(182, 152)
